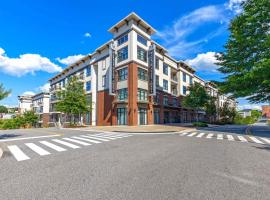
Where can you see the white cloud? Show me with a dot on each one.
(87, 34)
(30, 93)
(235, 5)
(204, 62)
(44, 88)
(177, 36)
(70, 59)
(26, 63)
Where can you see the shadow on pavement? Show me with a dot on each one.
(5, 136)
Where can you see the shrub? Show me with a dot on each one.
(200, 124)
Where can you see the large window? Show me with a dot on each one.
(121, 116)
(142, 95)
(190, 80)
(165, 68)
(122, 94)
(156, 98)
(142, 74)
(88, 71)
(157, 63)
(157, 80)
(122, 54)
(184, 77)
(184, 90)
(123, 74)
(141, 54)
(141, 39)
(122, 40)
(103, 80)
(165, 100)
(88, 86)
(165, 84)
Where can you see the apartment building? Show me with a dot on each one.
(25, 103)
(131, 80)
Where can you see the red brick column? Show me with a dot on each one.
(45, 119)
(132, 94)
(150, 111)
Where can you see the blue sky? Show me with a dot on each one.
(39, 38)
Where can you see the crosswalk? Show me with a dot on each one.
(229, 137)
(44, 148)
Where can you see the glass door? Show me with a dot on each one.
(121, 116)
(142, 116)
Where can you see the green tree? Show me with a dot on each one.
(3, 92)
(211, 109)
(197, 97)
(256, 114)
(73, 100)
(30, 118)
(3, 109)
(246, 58)
(227, 113)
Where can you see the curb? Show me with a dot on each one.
(145, 132)
(248, 130)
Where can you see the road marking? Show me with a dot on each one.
(183, 134)
(230, 137)
(26, 138)
(96, 138)
(93, 141)
(77, 141)
(106, 137)
(53, 146)
(200, 135)
(17, 153)
(37, 149)
(255, 140)
(242, 139)
(209, 136)
(66, 144)
(192, 134)
(220, 136)
(266, 140)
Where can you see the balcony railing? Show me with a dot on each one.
(174, 78)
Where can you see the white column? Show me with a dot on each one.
(94, 75)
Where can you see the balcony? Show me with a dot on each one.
(174, 79)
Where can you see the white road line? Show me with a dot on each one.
(230, 137)
(185, 133)
(77, 141)
(220, 136)
(37, 149)
(265, 139)
(209, 136)
(192, 134)
(255, 140)
(96, 138)
(88, 140)
(66, 144)
(242, 139)
(200, 135)
(17, 153)
(106, 137)
(27, 138)
(53, 146)
(109, 135)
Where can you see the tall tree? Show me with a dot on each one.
(246, 59)
(73, 99)
(211, 109)
(3, 109)
(3, 92)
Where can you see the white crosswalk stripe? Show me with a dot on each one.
(106, 137)
(242, 139)
(52, 146)
(183, 134)
(88, 140)
(192, 134)
(77, 141)
(95, 138)
(265, 140)
(220, 136)
(17, 153)
(230, 137)
(66, 144)
(255, 140)
(37, 149)
(109, 135)
(210, 135)
(200, 135)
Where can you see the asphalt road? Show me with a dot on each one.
(151, 167)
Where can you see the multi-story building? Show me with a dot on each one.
(131, 79)
(25, 103)
(266, 111)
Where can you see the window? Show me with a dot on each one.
(141, 40)
(141, 54)
(122, 54)
(157, 80)
(165, 100)
(142, 95)
(142, 74)
(165, 68)
(123, 74)
(122, 94)
(88, 71)
(122, 40)
(156, 98)
(157, 63)
(121, 116)
(184, 77)
(165, 84)
(190, 80)
(175, 102)
(184, 90)
(88, 86)
(103, 80)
